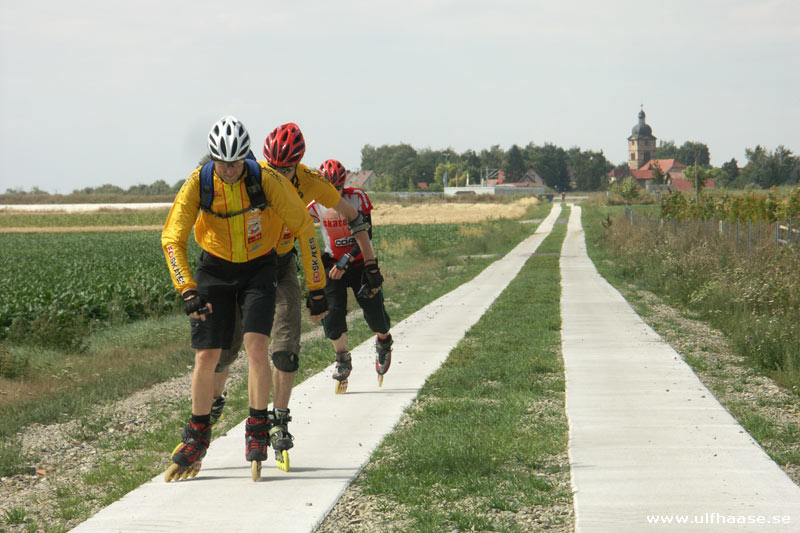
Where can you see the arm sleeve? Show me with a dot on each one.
(177, 228)
(291, 209)
(324, 192)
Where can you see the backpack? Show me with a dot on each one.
(252, 184)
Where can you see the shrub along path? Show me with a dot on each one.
(648, 442)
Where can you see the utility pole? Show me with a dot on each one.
(696, 181)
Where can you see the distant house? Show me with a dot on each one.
(423, 185)
(359, 179)
(532, 177)
(618, 174)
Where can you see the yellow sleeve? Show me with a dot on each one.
(177, 228)
(290, 208)
(310, 185)
(316, 187)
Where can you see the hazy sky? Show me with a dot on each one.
(125, 92)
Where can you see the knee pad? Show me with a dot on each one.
(286, 361)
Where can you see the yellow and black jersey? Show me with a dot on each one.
(239, 238)
(310, 186)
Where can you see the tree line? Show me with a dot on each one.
(763, 169)
(159, 188)
(401, 167)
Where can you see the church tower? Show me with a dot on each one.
(641, 144)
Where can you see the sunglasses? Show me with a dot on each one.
(228, 164)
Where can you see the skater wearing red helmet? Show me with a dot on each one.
(361, 275)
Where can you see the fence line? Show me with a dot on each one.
(785, 233)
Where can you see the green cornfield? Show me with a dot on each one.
(57, 281)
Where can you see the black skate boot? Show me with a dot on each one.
(187, 456)
(343, 367)
(256, 436)
(280, 438)
(383, 358)
(217, 406)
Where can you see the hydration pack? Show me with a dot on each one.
(252, 184)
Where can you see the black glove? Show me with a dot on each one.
(317, 306)
(372, 276)
(194, 302)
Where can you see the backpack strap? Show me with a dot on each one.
(255, 191)
(252, 182)
(207, 186)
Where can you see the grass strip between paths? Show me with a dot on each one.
(484, 446)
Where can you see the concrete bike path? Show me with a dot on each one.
(648, 442)
(335, 435)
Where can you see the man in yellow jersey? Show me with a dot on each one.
(284, 149)
(236, 270)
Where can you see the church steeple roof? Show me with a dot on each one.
(641, 129)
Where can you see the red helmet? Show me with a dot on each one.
(285, 146)
(334, 171)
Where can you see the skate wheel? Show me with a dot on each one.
(341, 387)
(283, 460)
(172, 473)
(193, 470)
(380, 380)
(255, 470)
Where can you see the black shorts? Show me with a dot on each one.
(373, 309)
(250, 286)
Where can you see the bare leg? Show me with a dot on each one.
(340, 344)
(219, 382)
(259, 374)
(205, 361)
(283, 382)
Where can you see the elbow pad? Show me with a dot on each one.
(358, 224)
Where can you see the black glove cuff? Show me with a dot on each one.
(318, 306)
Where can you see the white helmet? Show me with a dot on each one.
(228, 140)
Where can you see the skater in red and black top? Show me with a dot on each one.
(362, 277)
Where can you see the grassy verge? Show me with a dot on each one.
(119, 360)
(483, 448)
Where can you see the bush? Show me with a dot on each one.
(61, 329)
(754, 297)
(12, 365)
